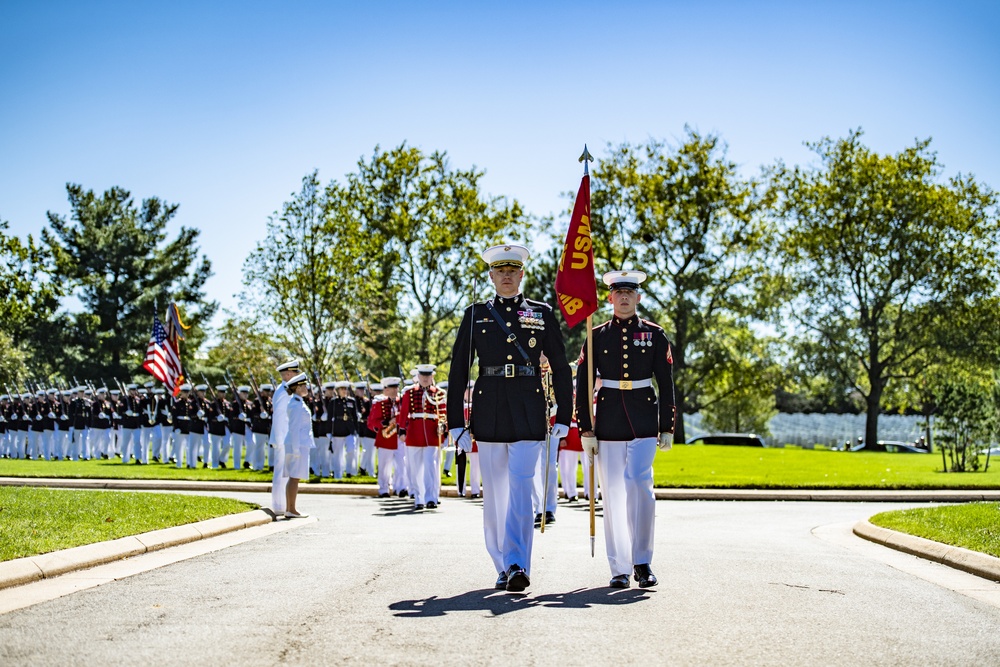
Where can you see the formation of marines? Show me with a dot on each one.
(523, 424)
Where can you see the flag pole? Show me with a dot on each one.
(586, 158)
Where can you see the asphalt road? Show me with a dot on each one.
(369, 582)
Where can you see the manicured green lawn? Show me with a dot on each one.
(36, 521)
(115, 469)
(697, 466)
(974, 526)
(685, 466)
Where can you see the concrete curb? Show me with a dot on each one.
(44, 566)
(801, 495)
(973, 562)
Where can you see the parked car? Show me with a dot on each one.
(893, 446)
(745, 439)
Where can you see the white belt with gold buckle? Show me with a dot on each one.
(626, 385)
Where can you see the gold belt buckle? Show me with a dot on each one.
(625, 384)
(508, 370)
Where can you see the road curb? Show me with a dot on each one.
(973, 562)
(798, 495)
(35, 568)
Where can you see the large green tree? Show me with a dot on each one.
(116, 257)
(685, 216)
(304, 281)
(429, 221)
(28, 302)
(889, 268)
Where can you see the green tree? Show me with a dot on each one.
(305, 281)
(741, 399)
(968, 418)
(242, 347)
(28, 301)
(118, 260)
(886, 265)
(428, 222)
(700, 231)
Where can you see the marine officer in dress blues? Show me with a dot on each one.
(630, 422)
(508, 416)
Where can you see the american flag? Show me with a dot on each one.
(162, 361)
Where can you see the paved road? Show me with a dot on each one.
(371, 583)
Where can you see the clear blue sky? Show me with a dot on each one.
(222, 107)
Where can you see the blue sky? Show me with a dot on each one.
(222, 107)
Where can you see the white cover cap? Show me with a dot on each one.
(290, 365)
(624, 279)
(391, 381)
(508, 254)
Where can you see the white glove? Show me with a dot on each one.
(589, 443)
(102, 415)
(63, 417)
(462, 439)
(51, 415)
(243, 416)
(38, 418)
(560, 431)
(114, 415)
(201, 413)
(263, 415)
(665, 441)
(130, 414)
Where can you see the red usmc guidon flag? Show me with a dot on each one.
(576, 282)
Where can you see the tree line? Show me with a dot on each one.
(862, 281)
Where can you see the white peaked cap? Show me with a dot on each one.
(243, 389)
(507, 254)
(201, 387)
(629, 279)
(377, 386)
(185, 387)
(301, 378)
(222, 387)
(267, 386)
(342, 384)
(290, 365)
(391, 381)
(360, 385)
(443, 385)
(330, 385)
(426, 369)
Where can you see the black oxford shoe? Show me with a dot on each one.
(501, 582)
(644, 576)
(538, 520)
(517, 579)
(431, 505)
(550, 518)
(418, 507)
(619, 581)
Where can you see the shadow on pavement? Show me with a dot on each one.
(501, 602)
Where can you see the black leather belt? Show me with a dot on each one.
(507, 371)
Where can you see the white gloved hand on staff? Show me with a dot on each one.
(560, 431)
(461, 438)
(665, 441)
(589, 443)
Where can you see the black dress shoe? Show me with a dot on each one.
(431, 505)
(644, 576)
(363, 472)
(246, 465)
(348, 475)
(383, 495)
(418, 507)
(517, 579)
(619, 581)
(550, 517)
(222, 465)
(475, 495)
(538, 520)
(403, 494)
(156, 459)
(501, 584)
(572, 500)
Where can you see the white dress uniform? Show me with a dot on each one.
(279, 433)
(299, 439)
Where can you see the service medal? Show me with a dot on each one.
(532, 342)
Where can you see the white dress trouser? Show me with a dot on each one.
(259, 447)
(237, 440)
(401, 477)
(321, 455)
(568, 461)
(215, 453)
(626, 469)
(432, 474)
(178, 447)
(538, 488)
(416, 462)
(475, 475)
(449, 458)
(130, 444)
(368, 454)
(279, 481)
(508, 521)
(351, 450)
(386, 466)
(339, 443)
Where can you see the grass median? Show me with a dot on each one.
(974, 526)
(35, 521)
(685, 466)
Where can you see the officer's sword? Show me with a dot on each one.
(546, 379)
